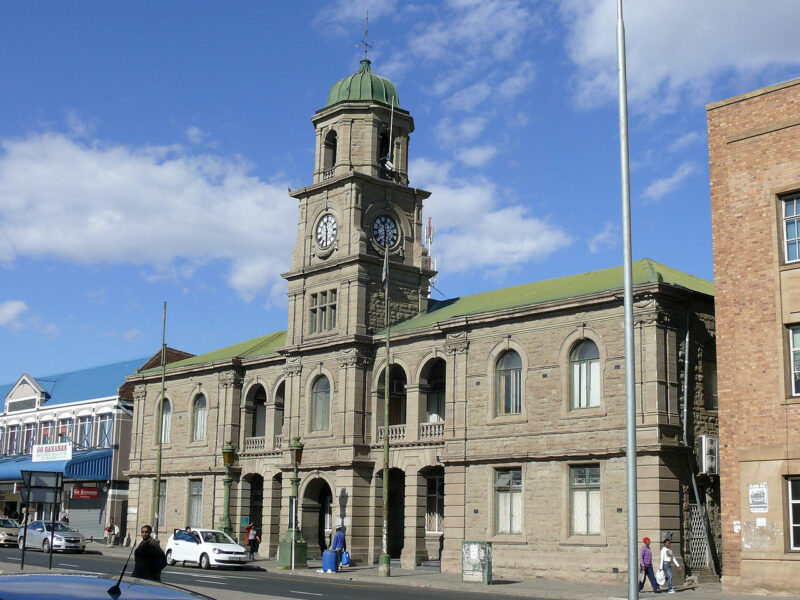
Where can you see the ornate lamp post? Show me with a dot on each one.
(228, 458)
(292, 549)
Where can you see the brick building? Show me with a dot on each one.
(754, 153)
(506, 408)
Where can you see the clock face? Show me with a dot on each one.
(384, 230)
(326, 231)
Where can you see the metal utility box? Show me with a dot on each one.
(476, 562)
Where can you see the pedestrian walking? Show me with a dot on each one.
(149, 559)
(253, 541)
(667, 560)
(646, 566)
(112, 533)
(339, 545)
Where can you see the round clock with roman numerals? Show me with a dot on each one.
(326, 231)
(384, 231)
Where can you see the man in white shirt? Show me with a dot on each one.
(666, 562)
(112, 533)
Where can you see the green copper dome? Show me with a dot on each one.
(363, 86)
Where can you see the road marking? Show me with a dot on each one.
(67, 565)
(299, 592)
(12, 558)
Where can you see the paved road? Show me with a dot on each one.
(229, 581)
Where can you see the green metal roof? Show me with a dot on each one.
(363, 85)
(539, 292)
(266, 344)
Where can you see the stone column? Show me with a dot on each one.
(455, 477)
(292, 400)
(414, 410)
(415, 503)
(231, 385)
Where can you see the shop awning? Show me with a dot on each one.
(85, 465)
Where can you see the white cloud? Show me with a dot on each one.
(476, 156)
(78, 125)
(164, 208)
(195, 135)
(467, 99)
(10, 313)
(661, 187)
(339, 17)
(468, 216)
(686, 140)
(604, 240)
(676, 50)
(133, 334)
(517, 83)
(451, 131)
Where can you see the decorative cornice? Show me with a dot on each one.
(231, 379)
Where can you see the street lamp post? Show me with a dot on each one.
(292, 550)
(228, 458)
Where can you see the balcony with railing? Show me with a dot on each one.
(396, 433)
(328, 174)
(431, 431)
(261, 444)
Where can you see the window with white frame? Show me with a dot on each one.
(791, 227)
(28, 437)
(585, 499)
(2, 440)
(13, 440)
(434, 513)
(508, 500)
(166, 421)
(199, 415)
(84, 437)
(584, 361)
(320, 404)
(794, 342)
(794, 512)
(327, 513)
(64, 432)
(509, 384)
(195, 503)
(162, 503)
(323, 311)
(105, 426)
(47, 432)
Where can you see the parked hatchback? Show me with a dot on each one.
(39, 533)
(8, 531)
(206, 547)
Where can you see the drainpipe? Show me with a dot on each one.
(690, 454)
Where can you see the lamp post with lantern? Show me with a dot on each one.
(228, 458)
(292, 549)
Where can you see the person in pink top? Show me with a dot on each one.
(646, 565)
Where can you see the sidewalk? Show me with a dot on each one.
(538, 587)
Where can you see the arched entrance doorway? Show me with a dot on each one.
(397, 512)
(316, 521)
(255, 509)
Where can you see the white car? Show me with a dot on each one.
(206, 547)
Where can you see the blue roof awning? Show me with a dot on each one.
(84, 465)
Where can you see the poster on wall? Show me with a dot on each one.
(84, 493)
(759, 501)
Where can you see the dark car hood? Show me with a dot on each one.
(43, 586)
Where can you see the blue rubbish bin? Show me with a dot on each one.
(329, 560)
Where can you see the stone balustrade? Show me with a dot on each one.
(429, 431)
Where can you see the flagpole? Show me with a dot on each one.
(630, 364)
(384, 562)
(160, 424)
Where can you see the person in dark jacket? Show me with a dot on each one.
(149, 559)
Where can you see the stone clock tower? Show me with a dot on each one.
(359, 205)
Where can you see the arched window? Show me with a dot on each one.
(329, 154)
(509, 384)
(320, 404)
(166, 421)
(199, 416)
(584, 361)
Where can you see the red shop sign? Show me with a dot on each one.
(86, 493)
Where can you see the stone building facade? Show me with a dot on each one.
(754, 152)
(506, 408)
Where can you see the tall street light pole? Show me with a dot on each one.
(160, 425)
(384, 560)
(228, 457)
(630, 363)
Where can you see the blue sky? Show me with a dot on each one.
(146, 150)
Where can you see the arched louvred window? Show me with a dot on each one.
(329, 151)
(584, 361)
(509, 384)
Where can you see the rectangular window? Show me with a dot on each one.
(794, 512)
(47, 432)
(84, 433)
(791, 227)
(105, 425)
(435, 407)
(585, 499)
(13, 440)
(585, 384)
(162, 504)
(2, 441)
(508, 500)
(28, 438)
(322, 312)
(509, 392)
(64, 432)
(195, 503)
(794, 342)
(434, 513)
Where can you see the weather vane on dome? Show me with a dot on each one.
(366, 44)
